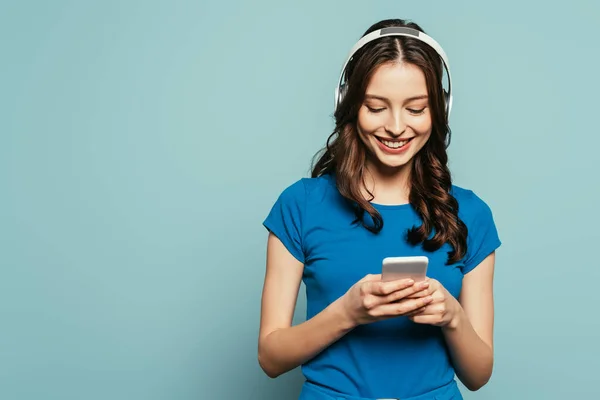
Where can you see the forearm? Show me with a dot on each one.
(285, 349)
(472, 357)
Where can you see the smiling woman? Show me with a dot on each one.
(365, 338)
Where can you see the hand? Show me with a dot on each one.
(442, 311)
(372, 299)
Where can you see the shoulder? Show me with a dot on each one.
(295, 191)
(289, 218)
(308, 190)
(470, 204)
(482, 235)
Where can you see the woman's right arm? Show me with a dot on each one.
(283, 347)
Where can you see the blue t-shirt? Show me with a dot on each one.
(391, 358)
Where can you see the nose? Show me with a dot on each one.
(395, 126)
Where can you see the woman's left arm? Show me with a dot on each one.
(470, 335)
(467, 323)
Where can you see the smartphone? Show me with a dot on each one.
(414, 267)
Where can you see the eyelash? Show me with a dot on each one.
(412, 111)
(416, 112)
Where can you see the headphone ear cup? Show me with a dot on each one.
(446, 101)
(342, 93)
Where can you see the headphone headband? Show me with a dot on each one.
(397, 31)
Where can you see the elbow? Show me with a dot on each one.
(477, 382)
(266, 362)
(267, 367)
(475, 386)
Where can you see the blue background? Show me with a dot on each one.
(142, 143)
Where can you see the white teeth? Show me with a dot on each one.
(394, 145)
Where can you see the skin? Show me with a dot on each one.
(392, 110)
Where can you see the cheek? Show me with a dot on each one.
(423, 133)
(368, 122)
(420, 141)
(422, 126)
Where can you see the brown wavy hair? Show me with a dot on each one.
(344, 155)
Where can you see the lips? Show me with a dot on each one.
(393, 144)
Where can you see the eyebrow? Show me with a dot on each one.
(374, 96)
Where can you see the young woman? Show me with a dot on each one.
(382, 188)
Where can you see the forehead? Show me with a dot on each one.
(397, 81)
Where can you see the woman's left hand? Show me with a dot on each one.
(442, 311)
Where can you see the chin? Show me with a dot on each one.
(387, 163)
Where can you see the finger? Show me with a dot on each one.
(425, 319)
(418, 311)
(436, 311)
(385, 288)
(431, 284)
(422, 289)
(429, 309)
(400, 308)
(378, 293)
(420, 293)
(415, 291)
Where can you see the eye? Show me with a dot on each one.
(375, 110)
(416, 112)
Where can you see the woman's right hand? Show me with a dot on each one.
(372, 299)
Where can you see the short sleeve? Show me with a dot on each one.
(482, 237)
(285, 219)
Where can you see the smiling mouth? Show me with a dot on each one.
(393, 144)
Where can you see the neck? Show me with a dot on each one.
(388, 185)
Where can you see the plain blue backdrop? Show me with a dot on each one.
(142, 143)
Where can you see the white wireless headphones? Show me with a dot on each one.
(342, 87)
